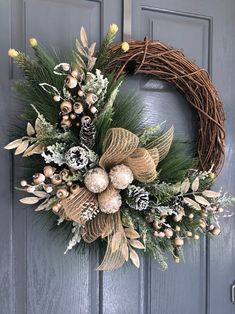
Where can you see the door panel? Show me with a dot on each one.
(35, 276)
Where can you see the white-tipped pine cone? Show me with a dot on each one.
(138, 197)
(109, 201)
(96, 180)
(121, 176)
(76, 158)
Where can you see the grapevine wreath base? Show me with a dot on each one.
(98, 171)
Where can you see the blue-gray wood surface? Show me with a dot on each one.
(35, 276)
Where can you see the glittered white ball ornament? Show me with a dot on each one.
(96, 180)
(121, 176)
(109, 201)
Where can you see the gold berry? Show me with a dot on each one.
(71, 81)
(179, 241)
(75, 188)
(168, 232)
(48, 171)
(80, 93)
(56, 98)
(189, 234)
(23, 183)
(56, 179)
(66, 107)
(74, 73)
(66, 124)
(38, 178)
(216, 231)
(196, 237)
(62, 193)
(78, 107)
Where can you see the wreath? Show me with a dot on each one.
(99, 171)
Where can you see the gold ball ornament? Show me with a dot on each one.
(179, 241)
(71, 82)
(168, 232)
(196, 237)
(38, 178)
(189, 234)
(48, 171)
(177, 228)
(66, 107)
(121, 176)
(96, 180)
(109, 201)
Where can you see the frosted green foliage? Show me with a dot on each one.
(76, 237)
(149, 133)
(96, 84)
(56, 154)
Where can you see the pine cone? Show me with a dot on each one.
(76, 158)
(176, 202)
(87, 132)
(138, 198)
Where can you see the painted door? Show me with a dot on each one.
(35, 276)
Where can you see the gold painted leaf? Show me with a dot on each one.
(13, 144)
(91, 50)
(131, 233)
(30, 129)
(33, 149)
(38, 125)
(22, 147)
(211, 194)
(201, 200)
(195, 184)
(83, 37)
(40, 194)
(125, 251)
(185, 186)
(192, 203)
(29, 200)
(134, 258)
(137, 244)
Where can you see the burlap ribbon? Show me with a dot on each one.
(120, 147)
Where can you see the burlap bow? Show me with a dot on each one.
(120, 147)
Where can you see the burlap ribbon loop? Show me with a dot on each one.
(75, 205)
(142, 165)
(118, 144)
